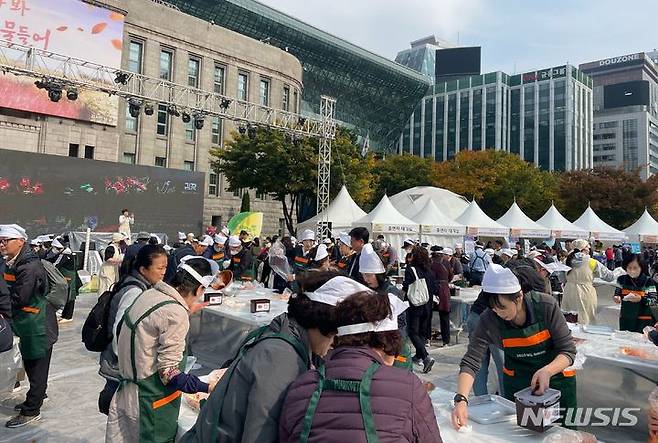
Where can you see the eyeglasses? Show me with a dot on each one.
(5, 241)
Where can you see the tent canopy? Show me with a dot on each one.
(560, 227)
(436, 227)
(386, 220)
(412, 200)
(644, 229)
(479, 223)
(341, 213)
(597, 228)
(521, 225)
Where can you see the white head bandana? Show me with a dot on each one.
(345, 238)
(499, 280)
(321, 253)
(234, 241)
(57, 244)
(307, 234)
(12, 231)
(182, 236)
(387, 324)
(207, 241)
(369, 261)
(205, 280)
(220, 239)
(335, 290)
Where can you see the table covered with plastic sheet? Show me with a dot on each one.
(10, 364)
(217, 331)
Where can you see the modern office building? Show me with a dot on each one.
(421, 57)
(375, 95)
(543, 116)
(626, 112)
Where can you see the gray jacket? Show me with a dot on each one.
(109, 363)
(252, 404)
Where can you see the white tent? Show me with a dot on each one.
(597, 228)
(560, 227)
(436, 228)
(386, 220)
(521, 225)
(479, 223)
(645, 229)
(341, 213)
(412, 200)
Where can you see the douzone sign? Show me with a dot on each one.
(622, 59)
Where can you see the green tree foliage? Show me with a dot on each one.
(396, 173)
(245, 206)
(617, 196)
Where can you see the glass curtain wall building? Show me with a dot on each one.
(544, 116)
(421, 57)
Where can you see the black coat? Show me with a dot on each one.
(174, 260)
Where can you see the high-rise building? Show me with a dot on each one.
(543, 116)
(421, 57)
(626, 112)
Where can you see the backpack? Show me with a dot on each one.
(58, 287)
(418, 294)
(97, 332)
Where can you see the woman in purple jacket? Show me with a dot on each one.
(358, 396)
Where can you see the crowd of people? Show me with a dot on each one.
(339, 364)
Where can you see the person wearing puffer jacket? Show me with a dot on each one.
(399, 410)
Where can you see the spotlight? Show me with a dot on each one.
(301, 121)
(199, 120)
(41, 84)
(186, 117)
(134, 106)
(252, 131)
(148, 109)
(54, 92)
(72, 94)
(171, 109)
(242, 129)
(225, 103)
(121, 77)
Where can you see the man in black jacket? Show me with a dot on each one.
(358, 238)
(34, 319)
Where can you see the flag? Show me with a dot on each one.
(252, 222)
(366, 145)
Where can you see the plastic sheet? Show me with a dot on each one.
(10, 364)
(278, 260)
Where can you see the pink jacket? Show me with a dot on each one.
(400, 404)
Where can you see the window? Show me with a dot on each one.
(162, 127)
(188, 166)
(190, 131)
(243, 85)
(89, 152)
(73, 149)
(193, 66)
(166, 59)
(294, 101)
(216, 221)
(261, 195)
(286, 98)
(264, 92)
(161, 162)
(135, 52)
(131, 122)
(237, 193)
(219, 79)
(129, 158)
(216, 130)
(213, 184)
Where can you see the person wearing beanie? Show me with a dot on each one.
(302, 258)
(216, 250)
(241, 260)
(346, 252)
(533, 334)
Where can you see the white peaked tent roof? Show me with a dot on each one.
(597, 228)
(435, 222)
(645, 226)
(560, 227)
(522, 225)
(412, 200)
(479, 223)
(385, 215)
(341, 212)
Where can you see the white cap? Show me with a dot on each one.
(499, 280)
(458, 246)
(226, 231)
(409, 241)
(543, 265)
(321, 253)
(307, 234)
(12, 231)
(369, 261)
(580, 244)
(157, 238)
(117, 237)
(345, 238)
(489, 251)
(207, 241)
(447, 251)
(327, 241)
(508, 252)
(533, 254)
(35, 242)
(389, 323)
(57, 244)
(335, 290)
(167, 248)
(220, 239)
(182, 236)
(234, 241)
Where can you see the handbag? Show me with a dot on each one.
(418, 294)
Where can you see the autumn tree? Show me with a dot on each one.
(616, 195)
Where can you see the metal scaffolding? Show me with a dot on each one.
(327, 112)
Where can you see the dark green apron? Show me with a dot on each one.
(219, 258)
(253, 338)
(635, 316)
(68, 270)
(526, 351)
(358, 387)
(158, 405)
(404, 360)
(29, 322)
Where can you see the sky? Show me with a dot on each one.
(515, 35)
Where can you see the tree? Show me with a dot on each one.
(269, 162)
(350, 169)
(617, 196)
(397, 173)
(245, 206)
(496, 179)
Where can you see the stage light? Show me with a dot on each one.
(54, 92)
(242, 129)
(225, 103)
(301, 121)
(148, 109)
(171, 109)
(252, 131)
(41, 84)
(186, 117)
(134, 106)
(72, 94)
(199, 120)
(121, 77)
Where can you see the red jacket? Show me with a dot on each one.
(400, 404)
(443, 275)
